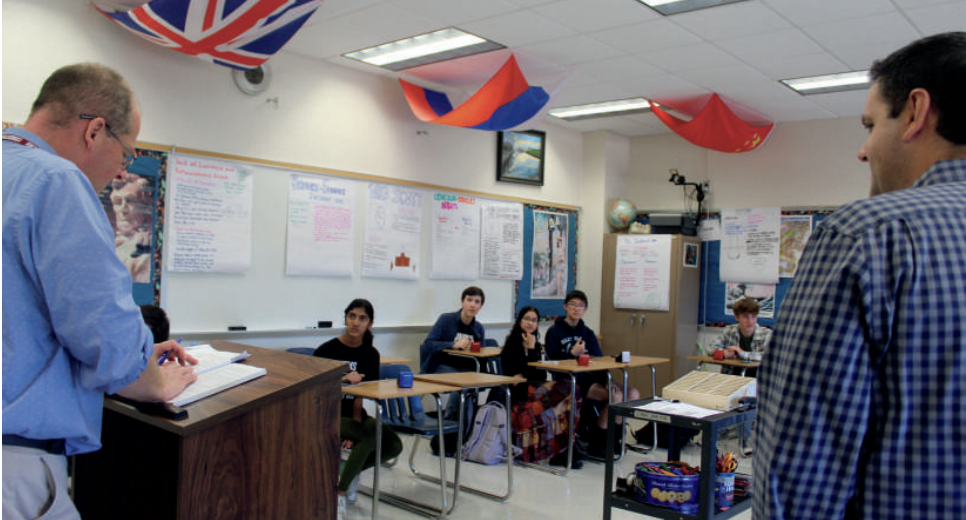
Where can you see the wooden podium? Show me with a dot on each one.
(266, 449)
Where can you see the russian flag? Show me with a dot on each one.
(504, 102)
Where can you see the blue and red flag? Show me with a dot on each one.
(241, 34)
(505, 101)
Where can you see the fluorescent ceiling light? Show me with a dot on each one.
(669, 7)
(857, 80)
(620, 107)
(426, 48)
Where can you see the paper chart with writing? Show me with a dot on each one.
(501, 242)
(393, 232)
(319, 240)
(456, 237)
(749, 245)
(210, 216)
(642, 278)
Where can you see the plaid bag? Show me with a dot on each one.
(541, 424)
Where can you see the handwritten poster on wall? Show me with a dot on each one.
(643, 272)
(456, 237)
(749, 245)
(319, 240)
(210, 213)
(501, 243)
(393, 232)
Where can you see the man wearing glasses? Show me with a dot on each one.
(569, 338)
(71, 330)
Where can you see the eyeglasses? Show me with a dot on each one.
(128, 153)
(577, 306)
(532, 320)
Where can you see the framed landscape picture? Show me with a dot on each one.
(520, 156)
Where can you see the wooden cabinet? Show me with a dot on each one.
(671, 334)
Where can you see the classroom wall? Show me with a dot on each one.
(805, 163)
(326, 116)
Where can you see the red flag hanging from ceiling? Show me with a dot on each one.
(240, 34)
(716, 127)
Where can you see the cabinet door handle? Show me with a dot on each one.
(633, 319)
(641, 322)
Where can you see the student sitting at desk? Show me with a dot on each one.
(539, 434)
(569, 338)
(454, 330)
(746, 339)
(356, 428)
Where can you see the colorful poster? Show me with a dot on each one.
(642, 272)
(393, 232)
(550, 259)
(319, 239)
(211, 216)
(502, 242)
(134, 204)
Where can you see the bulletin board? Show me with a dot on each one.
(712, 311)
(543, 286)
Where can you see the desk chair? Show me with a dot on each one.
(493, 365)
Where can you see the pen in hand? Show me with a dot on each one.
(164, 357)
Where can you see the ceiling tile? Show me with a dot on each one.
(333, 8)
(386, 23)
(518, 29)
(572, 49)
(690, 57)
(868, 30)
(731, 20)
(906, 4)
(600, 14)
(456, 12)
(612, 69)
(861, 57)
(645, 37)
(782, 44)
(939, 18)
(808, 12)
(718, 79)
(842, 104)
(801, 66)
(593, 93)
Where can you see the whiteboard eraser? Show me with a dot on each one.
(237, 327)
(325, 324)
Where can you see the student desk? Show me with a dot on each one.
(389, 360)
(571, 369)
(489, 354)
(378, 391)
(465, 381)
(744, 365)
(264, 449)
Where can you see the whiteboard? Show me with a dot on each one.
(265, 299)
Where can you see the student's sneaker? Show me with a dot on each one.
(352, 494)
(341, 513)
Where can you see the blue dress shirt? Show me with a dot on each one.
(71, 330)
(862, 399)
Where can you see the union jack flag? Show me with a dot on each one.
(241, 34)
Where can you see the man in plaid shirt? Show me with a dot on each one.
(863, 394)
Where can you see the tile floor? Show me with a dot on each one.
(536, 494)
